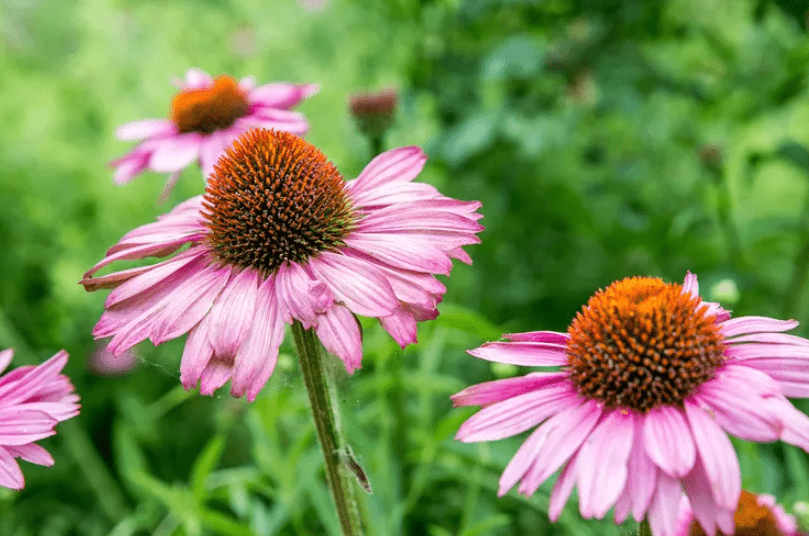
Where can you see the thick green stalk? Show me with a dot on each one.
(644, 529)
(341, 483)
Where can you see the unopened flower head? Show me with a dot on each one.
(32, 401)
(279, 236)
(206, 116)
(374, 112)
(649, 381)
(756, 515)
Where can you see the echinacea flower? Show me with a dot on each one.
(32, 401)
(206, 116)
(650, 381)
(756, 515)
(374, 112)
(279, 236)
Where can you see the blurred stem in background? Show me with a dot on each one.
(335, 450)
(713, 159)
(797, 285)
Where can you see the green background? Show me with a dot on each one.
(604, 138)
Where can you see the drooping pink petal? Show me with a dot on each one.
(664, 506)
(21, 426)
(755, 324)
(397, 165)
(486, 393)
(31, 453)
(563, 487)
(130, 166)
(603, 465)
(10, 473)
(705, 510)
(216, 373)
(668, 440)
(196, 354)
(538, 336)
(360, 286)
(401, 252)
(302, 297)
(175, 153)
(339, 332)
(641, 481)
(5, 358)
(280, 95)
(517, 414)
(227, 324)
(401, 325)
(529, 354)
(717, 455)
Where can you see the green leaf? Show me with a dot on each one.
(204, 465)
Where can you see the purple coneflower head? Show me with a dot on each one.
(650, 380)
(206, 116)
(279, 236)
(756, 515)
(32, 401)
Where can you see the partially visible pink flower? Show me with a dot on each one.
(32, 401)
(755, 515)
(206, 116)
(649, 381)
(278, 237)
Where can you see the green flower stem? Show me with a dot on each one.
(376, 145)
(644, 529)
(342, 484)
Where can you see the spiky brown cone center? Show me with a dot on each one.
(210, 109)
(274, 198)
(642, 343)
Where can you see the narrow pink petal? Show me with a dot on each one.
(248, 83)
(29, 381)
(401, 252)
(796, 424)
(211, 148)
(401, 325)
(665, 506)
(563, 487)
(764, 350)
(231, 316)
(772, 338)
(690, 284)
(339, 332)
(517, 414)
(717, 455)
(21, 426)
(274, 118)
(538, 336)
(562, 437)
(603, 466)
(216, 373)
(497, 390)
(258, 355)
(158, 274)
(10, 473)
(197, 79)
(360, 286)
(31, 453)
(5, 358)
(392, 194)
(461, 255)
(173, 154)
(668, 440)
(281, 95)
(145, 128)
(529, 354)
(703, 507)
(196, 354)
(61, 411)
(130, 166)
(400, 165)
(556, 440)
(755, 324)
(171, 182)
(641, 481)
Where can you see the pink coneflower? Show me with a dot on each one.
(206, 116)
(756, 515)
(652, 378)
(279, 237)
(32, 401)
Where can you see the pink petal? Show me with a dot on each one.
(280, 95)
(231, 316)
(171, 182)
(258, 355)
(401, 325)
(704, 509)
(273, 118)
(772, 338)
(517, 414)
(216, 373)
(197, 79)
(538, 336)
(10, 473)
(603, 464)
(5, 358)
(755, 324)
(563, 487)
(397, 165)
(360, 286)
(641, 481)
(717, 455)
(665, 506)
(129, 167)
(302, 298)
(173, 154)
(145, 128)
(21, 426)
(767, 351)
(211, 148)
(196, 354)
(796, 424)
(529, 354)
(495, 391)
(339, 332)
(401, 252)
(668, 441)
(31, 453)
(690, 285)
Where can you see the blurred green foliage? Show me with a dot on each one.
(605, 139)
